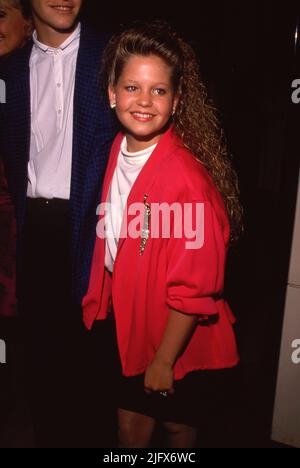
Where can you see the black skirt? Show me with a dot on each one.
(200, 399)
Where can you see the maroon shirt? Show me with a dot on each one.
(7, 250)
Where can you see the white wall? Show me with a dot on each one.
(286, 421)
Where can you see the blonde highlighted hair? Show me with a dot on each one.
(22, 5)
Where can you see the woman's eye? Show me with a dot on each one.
(131, 88)
(2, 14)
(159, 91)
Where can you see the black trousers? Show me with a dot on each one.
(60, 364)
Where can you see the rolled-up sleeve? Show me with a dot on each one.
(195, 267)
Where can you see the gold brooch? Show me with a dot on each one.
(145, 230)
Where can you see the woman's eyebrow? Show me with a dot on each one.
(158, 83)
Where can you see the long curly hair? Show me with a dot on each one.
(196, 120)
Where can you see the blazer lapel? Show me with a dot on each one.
(113, 158)
(84, 120)
(148, 174)
(91, 121)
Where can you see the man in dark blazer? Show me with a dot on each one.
(56, 130)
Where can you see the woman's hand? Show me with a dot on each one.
(159, 377)
(159, 374)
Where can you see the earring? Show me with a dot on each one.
(173, 113)
(113, 105)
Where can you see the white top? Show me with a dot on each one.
(52, 81)
(129, 165)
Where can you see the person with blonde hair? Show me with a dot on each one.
(15, 25)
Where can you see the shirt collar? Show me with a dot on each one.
(45, 48)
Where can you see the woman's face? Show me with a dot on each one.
(145, 100)
(14, 28)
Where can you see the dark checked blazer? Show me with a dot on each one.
(93, 130)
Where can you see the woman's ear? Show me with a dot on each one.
(175, 103)
(112, 96)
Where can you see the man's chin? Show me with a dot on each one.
(65, 28)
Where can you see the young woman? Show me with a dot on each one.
(171, 206)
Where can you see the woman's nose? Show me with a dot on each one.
(145, 99)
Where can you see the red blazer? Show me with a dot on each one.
(168, 275)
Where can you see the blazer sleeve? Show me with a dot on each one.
(195, 267)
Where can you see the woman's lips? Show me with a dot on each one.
(142, 117)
